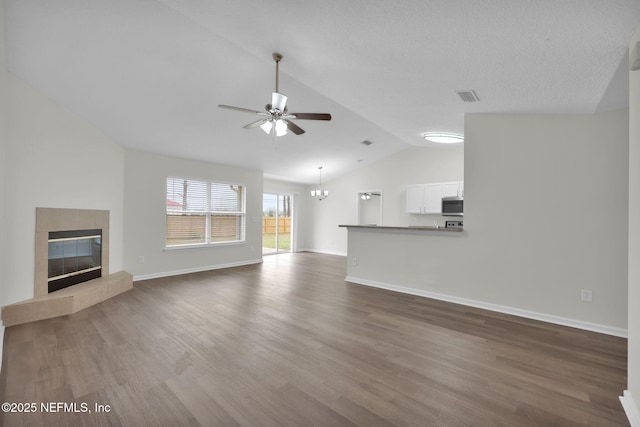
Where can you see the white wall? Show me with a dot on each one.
(546, 197)
(545, 217)
(282, 187)
(634, 232)
(145, 216)
(415, 165)
(42, 140)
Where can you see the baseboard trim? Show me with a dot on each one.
(194, 270)
(594, 327)
(316, 251)
(630, 408)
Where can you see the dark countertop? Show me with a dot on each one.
(398, 227)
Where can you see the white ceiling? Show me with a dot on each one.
(150, 73)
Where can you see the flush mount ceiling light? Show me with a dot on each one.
(443, 138)
(319, 193)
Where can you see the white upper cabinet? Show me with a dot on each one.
(415, 198)
(451, 189)
(427, 198)
(432, 199)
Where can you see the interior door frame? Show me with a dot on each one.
(378, 193)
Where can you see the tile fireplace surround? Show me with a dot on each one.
(45, 305)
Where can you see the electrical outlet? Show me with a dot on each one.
(354, 261)
(587, 295)
(141, 259)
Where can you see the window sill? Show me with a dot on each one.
(203, 245)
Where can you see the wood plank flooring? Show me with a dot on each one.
(289, 343)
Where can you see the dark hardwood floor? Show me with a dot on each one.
(289, 343)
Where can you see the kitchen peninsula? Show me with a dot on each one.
(398, 227)
(418, 260)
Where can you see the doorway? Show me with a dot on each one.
(370, 207)
(277, 214)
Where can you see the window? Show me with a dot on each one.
(202, 213)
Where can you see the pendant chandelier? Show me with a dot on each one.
(319, 193)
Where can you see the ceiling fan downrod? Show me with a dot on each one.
(277, 57)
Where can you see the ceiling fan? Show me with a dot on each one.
(276, 117)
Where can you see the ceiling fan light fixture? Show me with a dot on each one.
(443, 138)
(266, 127)
(281, 127)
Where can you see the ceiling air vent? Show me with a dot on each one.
(366, 142)
(468, 95)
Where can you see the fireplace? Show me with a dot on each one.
(72, 247)
(74, 256)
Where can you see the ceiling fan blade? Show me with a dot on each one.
(246, 110)
(294, 128)
(312, 116)
(255, 124)
(278, 101)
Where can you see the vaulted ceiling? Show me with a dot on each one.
(150, 73)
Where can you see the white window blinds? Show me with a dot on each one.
(202, 212)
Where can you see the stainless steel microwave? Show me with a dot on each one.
(452, 206)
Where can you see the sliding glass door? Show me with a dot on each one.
(277, 212)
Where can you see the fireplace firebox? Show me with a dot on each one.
(74, 256)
